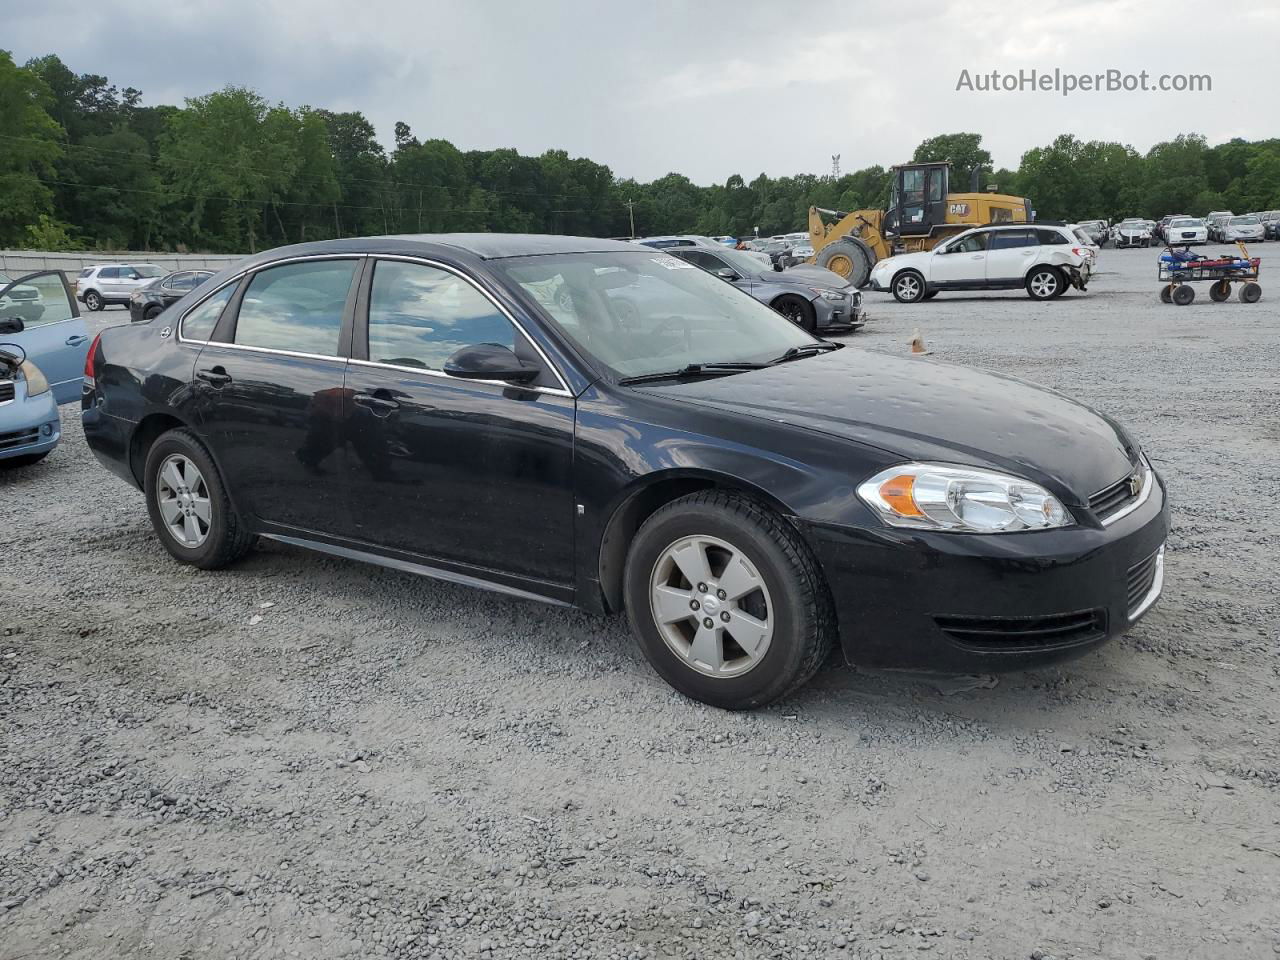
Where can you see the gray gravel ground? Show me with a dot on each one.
(304, 757)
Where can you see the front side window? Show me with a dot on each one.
(649, 312)
(419, 316)
(698, 258)
(973, 243)
(199, 323)
(109, 273)
(296, 307)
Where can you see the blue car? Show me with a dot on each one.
(43, 343)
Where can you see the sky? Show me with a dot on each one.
(707, 88)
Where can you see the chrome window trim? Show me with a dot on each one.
(563, 390)
(1148, 481)
(281, 353)
(244, 273)
(440, 374)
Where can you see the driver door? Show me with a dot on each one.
(961, 263)
(471, 475)
(54, 336)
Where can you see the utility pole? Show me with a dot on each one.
(631, 211)
(835, 166)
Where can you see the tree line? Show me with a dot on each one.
(84, 165)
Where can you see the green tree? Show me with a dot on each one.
(29, 150)
(962, 150)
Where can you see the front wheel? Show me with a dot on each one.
(1044, 283)
(798, 310)
(1183, 294)
(847, 259)
(726, 601)
(93, 300)
(908, 287)
(189, 506)
(1166, 293)
(1250, 293)
(1220, 291)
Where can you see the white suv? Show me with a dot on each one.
(113, 282)
(1043, 259)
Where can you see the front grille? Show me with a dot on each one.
(1022, 633)
(1110, 499)
(1139, 580)
(6, 391)
(19, 439)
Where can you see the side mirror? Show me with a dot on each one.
(726, 273)
(488, 361)
(12, 325)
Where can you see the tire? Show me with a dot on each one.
(1166, 293)
(225, 535)
(1220, 291)
(1250, 292)
(1045, 283)
(93, 301)
(847, 259)
(1183, 294)
(930, 294)
(798, 310)
(908, 287)
(26, 460)
(152, 312)
(784, 589)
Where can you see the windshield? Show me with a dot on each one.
(1245, 221)
(642, 313)
(1186, 222)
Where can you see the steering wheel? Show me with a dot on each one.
(667, 324)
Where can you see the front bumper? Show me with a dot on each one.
(956, 603)
(29, 425)
(832, 316)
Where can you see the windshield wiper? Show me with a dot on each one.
(808, 350)
(695, 370)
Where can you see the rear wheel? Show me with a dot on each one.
(908, 287)
(1183, 294)
(189, 506)
(1044, 283)
(1166, 293)
(726, 601)
(152, 312)
(1250, 293)
(93, 300)
(798, 310)
(847, 259)
(1220, 291)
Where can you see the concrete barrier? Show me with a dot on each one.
(17, 262)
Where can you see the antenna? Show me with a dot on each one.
(835, 165)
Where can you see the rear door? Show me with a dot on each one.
(1010, 253)
(54, 336)
(269, 391)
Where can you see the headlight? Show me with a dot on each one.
(826, 293)
(36, 381)
(932, 496)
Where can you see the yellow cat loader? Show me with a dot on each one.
(921, 212)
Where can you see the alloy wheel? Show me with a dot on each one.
(183, 497)
(1044, 285)
(711, 606)
(908, 288)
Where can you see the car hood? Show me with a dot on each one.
(807, 274)
(923, 410)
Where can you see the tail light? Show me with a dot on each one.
(1077, 251)
(89, 362)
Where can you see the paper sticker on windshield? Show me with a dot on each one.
(673, 263)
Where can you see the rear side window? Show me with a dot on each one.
(296, 307)
(419, 316)
(1009, 239)
(1052, 237)
(199, 323)
(704, 260)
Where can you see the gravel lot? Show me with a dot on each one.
(304, 757)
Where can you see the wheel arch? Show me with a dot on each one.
(150, 429)
(641, 501)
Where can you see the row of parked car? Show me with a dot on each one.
(1220, 226)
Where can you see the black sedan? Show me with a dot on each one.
(147, 303)
(508, 412)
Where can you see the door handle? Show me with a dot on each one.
(378, 405)
(75, 341)
(978, 256)
(216, 377)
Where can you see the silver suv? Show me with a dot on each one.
(113, 282)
